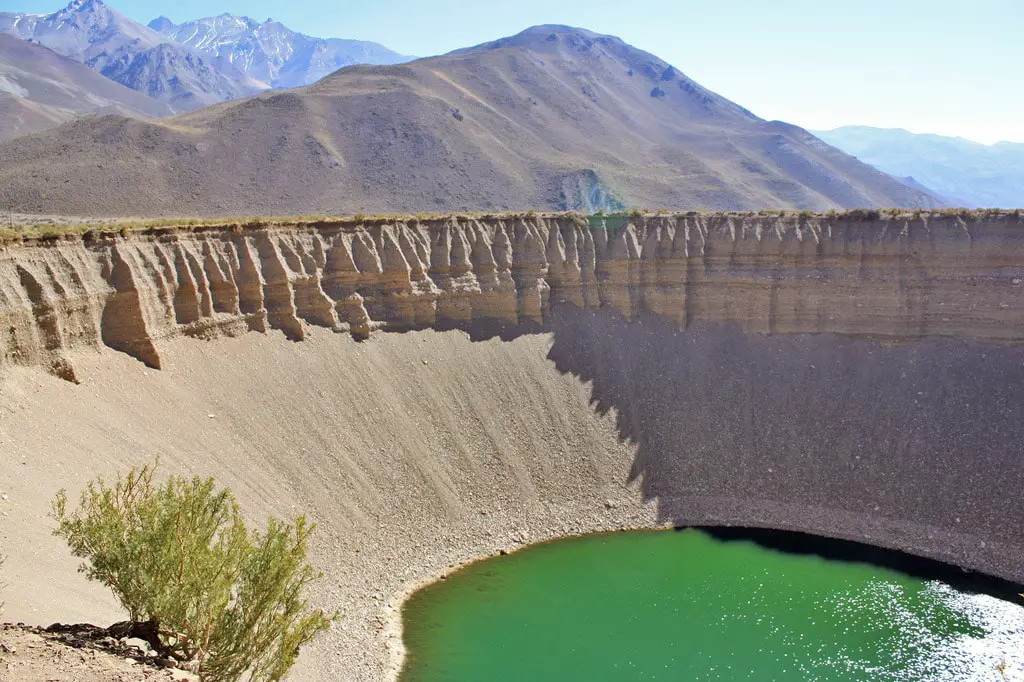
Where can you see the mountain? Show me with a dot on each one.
(554, 117)
(90, 32)
(910, 181)
(40, 89)
(968, 173)
(271, 52)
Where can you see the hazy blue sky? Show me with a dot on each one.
(952, 67)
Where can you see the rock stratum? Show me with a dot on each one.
(857, 375)
(897, 278)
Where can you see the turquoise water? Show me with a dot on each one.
(684, 606)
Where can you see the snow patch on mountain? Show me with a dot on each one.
(271, 52)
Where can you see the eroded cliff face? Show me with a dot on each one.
(896, 278)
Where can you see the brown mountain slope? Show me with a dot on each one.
(19, 116)
(553, 117)
(40, 89)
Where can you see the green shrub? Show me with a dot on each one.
(179, 554)
(579, 219)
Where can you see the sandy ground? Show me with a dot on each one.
(414, 452)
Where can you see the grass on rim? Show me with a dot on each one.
(100, 229)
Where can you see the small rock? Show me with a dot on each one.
(4, 496)
(211, 416)
(608, 504)
(424, 361)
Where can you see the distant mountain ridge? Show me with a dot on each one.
(194, 64)
(553, 118)
(271, 52)
(41, 89)
(965, 172)
(127, 52)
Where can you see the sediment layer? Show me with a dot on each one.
(893, 278)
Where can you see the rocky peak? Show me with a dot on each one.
(87, 12)
(545, 36)
(84, 5)
(161, 24)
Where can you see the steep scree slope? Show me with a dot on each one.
(554, 117)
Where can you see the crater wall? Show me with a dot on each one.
(839, 375)
(896, 278)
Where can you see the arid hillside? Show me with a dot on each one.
(41, 89)
(555, 117)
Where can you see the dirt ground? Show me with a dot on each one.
(31, 654)
(16, 220)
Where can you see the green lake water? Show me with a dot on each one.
(684, 606)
